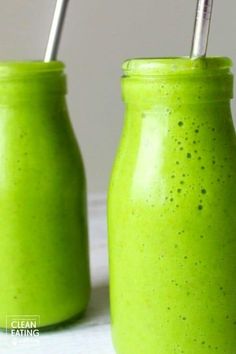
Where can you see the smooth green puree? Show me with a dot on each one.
(172, 210)
(43, 228)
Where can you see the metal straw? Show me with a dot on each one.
(201, 28)
(56, 30)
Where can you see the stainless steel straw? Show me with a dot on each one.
(201, 28)
(56, 30)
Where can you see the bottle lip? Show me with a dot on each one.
(9, 69)
(164, 66)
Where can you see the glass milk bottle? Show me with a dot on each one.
(43, 228)
(171, 210)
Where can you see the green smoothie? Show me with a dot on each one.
(43, 228)
(171, 210)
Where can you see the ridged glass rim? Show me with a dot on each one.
(28, 68)
(175, 66)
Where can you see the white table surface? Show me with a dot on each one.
(90, 335)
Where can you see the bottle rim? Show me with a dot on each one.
(170, 66)
(10, 69)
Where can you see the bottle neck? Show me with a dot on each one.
(31, 82)
(177, 81)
